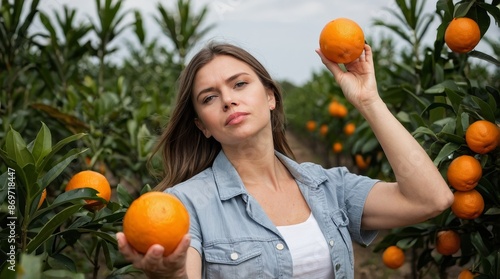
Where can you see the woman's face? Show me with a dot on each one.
(231, 102)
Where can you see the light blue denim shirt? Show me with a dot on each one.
(235, 237)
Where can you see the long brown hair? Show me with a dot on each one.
(185, 150)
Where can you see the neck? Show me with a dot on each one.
(259, 168)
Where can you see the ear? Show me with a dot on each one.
(271, 99)
(202, 128)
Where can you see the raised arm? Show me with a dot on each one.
(419, 192)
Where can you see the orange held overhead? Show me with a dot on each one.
(342, 40)
(447, 242)
(468, 204)
(482, 136)
(91, 179)
(464, 173)
(393, 257)
(156, 218)
(462, 35)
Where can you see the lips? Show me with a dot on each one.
(235, 118)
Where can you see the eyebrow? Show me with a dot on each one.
(228, 80)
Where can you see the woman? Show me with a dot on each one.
(255, 213)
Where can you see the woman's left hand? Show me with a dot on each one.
(358, 83)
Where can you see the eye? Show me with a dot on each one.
(240, 84)
(208, 99)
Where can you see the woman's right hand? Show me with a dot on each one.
(153, 263)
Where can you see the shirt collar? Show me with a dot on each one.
(229, 183)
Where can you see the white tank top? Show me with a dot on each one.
(310, 252)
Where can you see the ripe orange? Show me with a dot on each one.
(393, 257)
(482, 136)
(323, 129)
(361, 162)
(464, 173)
(337, 147)
(342, 40)
(467, 205)
(349, 129)
(156, 218)
(462, 35)
(447, 242)
(466, 274)
(91, 179)
(337, 109)
(311, 125)
(42, 198)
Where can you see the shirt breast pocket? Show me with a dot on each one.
(341, 221)
(234, 260)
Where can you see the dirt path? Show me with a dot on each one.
(368, 265)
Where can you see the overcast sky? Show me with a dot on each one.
(282, 34)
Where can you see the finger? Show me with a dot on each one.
(127, 251)
(368, 53)
(333, 67)
(153, 259)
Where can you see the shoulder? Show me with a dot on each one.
(198, 186)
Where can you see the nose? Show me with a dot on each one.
(229, 102)
(228, 105)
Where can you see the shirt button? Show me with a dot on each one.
(280, 246)
(337, 267)
(331, 243)
(234, 256)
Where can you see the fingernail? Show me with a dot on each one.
(157, 252)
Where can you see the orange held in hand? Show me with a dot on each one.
(156, 218)
(393, 257)
(467, 205)
(91, 179)
(342, 40)
(464, 173)
(482, 136)
(447, 242)
(462, 35)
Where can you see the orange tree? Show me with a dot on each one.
(450, 93)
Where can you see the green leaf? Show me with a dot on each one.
(124, 197)
(478, 243)
(370, 145)
(61, 260)
(16, 149)
(461, 9)
(440, 88)
(57, 147)
(447, 150)
(42, 144)
(55, 171)
(77, 194)
(424, 131)
(102, 235)
(484, 109)
(51, 226)
(109, 254)
(485, 57)
(407, 242)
